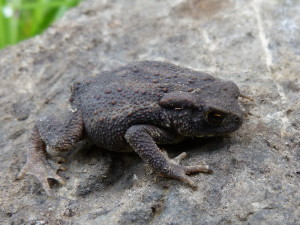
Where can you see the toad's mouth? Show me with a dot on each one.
(208, 135)
(212, 135)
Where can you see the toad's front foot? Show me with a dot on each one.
(179, 172)
(142, 139)
(43, 171)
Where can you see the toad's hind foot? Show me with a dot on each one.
(41, 171)
(57, 136)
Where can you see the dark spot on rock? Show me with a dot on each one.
(69, 212)
(135, 69)
(23, 69)
(107, 91)
(291, 86)
(136, 216)
(207, 78)
(21, 110)
(16, 134)
(156, 208)
(201, 8)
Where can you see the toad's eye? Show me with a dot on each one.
(215, 118)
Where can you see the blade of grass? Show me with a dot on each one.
(14, 24)
(69, 4)
(37, 12)
(60, 12)
(2, 25)
(51, 4)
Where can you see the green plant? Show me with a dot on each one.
(21, 19)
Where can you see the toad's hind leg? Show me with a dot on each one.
(52, 133)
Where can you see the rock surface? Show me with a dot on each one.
(256, 171)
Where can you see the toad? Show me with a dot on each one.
(136, 108)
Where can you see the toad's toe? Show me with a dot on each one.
(42, 173)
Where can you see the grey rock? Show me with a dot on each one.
(256, 170)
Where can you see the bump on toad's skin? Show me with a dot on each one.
(134, 108)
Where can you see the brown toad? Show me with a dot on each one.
(134, 108)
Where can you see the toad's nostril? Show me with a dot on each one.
(238, 119)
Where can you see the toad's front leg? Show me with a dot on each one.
(143, 139)
(61, 137)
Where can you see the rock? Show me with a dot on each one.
(256, 171)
